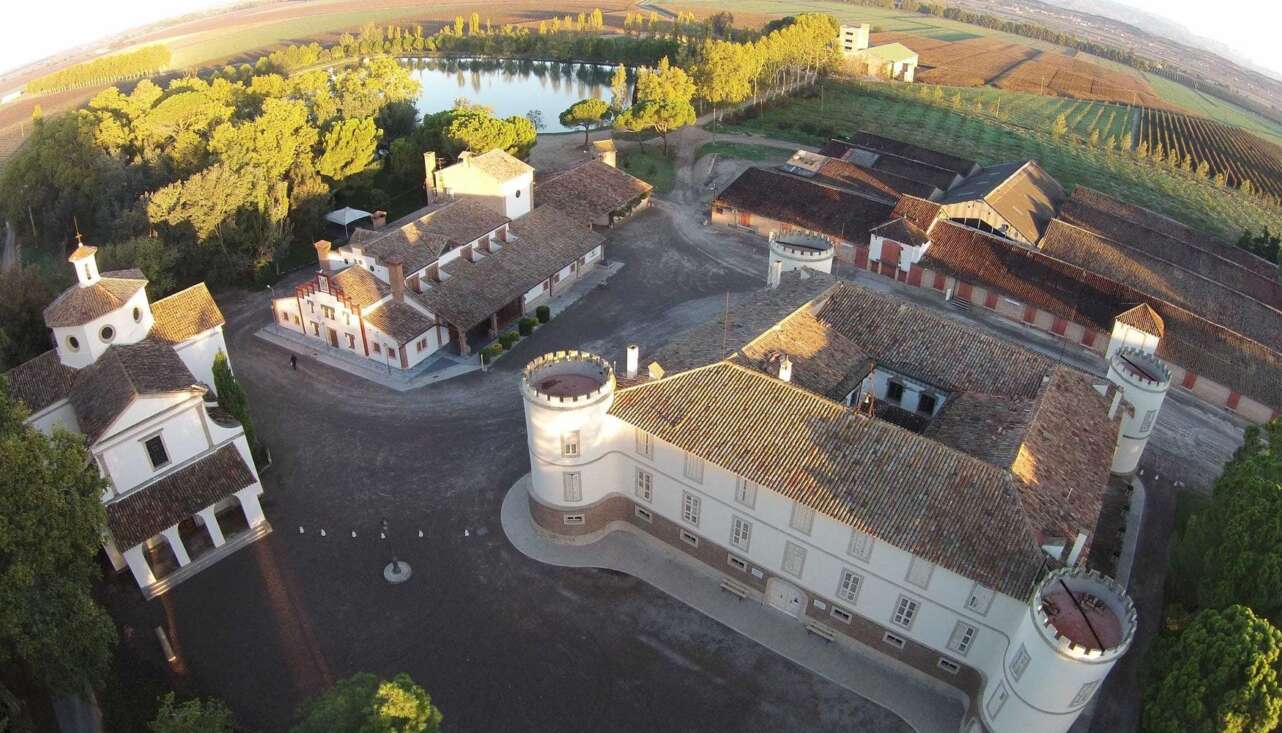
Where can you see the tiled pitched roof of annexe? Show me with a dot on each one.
(499, 165)
(545, 240)
(591, 189)
(903, 231)
(805, 204)
(1144, 318)
(916, 494)
(144, 513)
(421, 241)
(79, 305)
(400, 321)
(877, 182)
(823, 361)
(1093, 300)
(41, 381)
(1087, 198)
(918, 211)
(869, 141)
(123, 373)
(1164, 280)
(184, 314)
(1210, 263)
(1022, 193)
(360, 286)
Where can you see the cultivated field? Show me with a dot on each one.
(1034, 111)
(1066, 76)
(1239, 155)
(880, 108)
(1216, 109)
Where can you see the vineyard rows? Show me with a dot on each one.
(1237, 154)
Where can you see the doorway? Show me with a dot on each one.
(333, 337)
(786, 597)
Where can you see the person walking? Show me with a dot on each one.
(293, 361)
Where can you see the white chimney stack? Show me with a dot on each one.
(775, 275)
(634, 360)
(785, 369)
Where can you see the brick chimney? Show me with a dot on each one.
(396, 276)
(322, 252)
(379, 219)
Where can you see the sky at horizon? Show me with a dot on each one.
(81, 22)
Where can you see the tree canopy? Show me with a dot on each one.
(24, 293)
(1220, 675)
(585, 113)
(192, 716)
(349, 149)
(50, 534)
(364, 704)
(476, 129)
(663, 101)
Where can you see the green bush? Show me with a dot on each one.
(508, 339)
(544, 313)
(526, 326)
(492, 352)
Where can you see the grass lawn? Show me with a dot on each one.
(847, 107)
(1035, 111)
(743, 151)
(650, 165)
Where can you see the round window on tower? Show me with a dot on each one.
(107, 333)
(73, 343)
(518, 193)
(137, 315)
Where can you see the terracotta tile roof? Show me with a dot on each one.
(805, 204)
(917, 211)
(914, 170)
(590, 190)
(1092, 300)
(845, 174)
(1163, 280)
(40, 381)
(914, 493)
(911, 340)
(360, 286)
(121, 374)
(400, 321)
(1084, 198)
(750, 314)
(1205, 257)
(79, 305)
(836, 148)
(823, 361)
(903, 231)
(544, 241)
(184, 314)
(463, 221)
(499, 165)
(1022, 193)
(145, 512)
(987, 426)
(82, 251)
(1144, 318)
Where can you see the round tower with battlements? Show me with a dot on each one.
(1144, 380)
(1078, 624)
(567, 395)
(795, 251)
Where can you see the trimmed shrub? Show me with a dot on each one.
(526, 326)
(508, 339)
(544, 313)
(492, 352)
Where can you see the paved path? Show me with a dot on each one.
(924, 704)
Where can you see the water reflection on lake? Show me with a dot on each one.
(510, 87)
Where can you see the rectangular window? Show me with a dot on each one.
(894, 391)
(377, 349)
(926, 404)
(1148, 420)
(803, 518)
(690, 508)
(644, 514)
(315, 328)
(351, 341)
(919, 571)
(156, 452)
(573, 485)
(860, 545)
(841, 614)
(737, 563)
(848, 588)
(1019, 664)
(740, 533)
(694, 468)
(979, 600)
(284, 317)
(949, 666)
(794, 559)
(391, 352)
(689, 539)
(327, 311)
(893, 640)
(570, 443)
(995, 703)
(645, 485)
(1084, 694)
(645, 444)
(905, 612)
(574, 519)
(745, 493)
(962, 637)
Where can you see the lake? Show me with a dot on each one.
(510, 87)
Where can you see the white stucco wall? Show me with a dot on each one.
(89, 336)
(198, 354)
(178, 419)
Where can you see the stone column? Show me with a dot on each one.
(494, 324)
(211, 525)
(136, 558)
(248, 498)
(176, 544)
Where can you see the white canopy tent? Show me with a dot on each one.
(345, 216)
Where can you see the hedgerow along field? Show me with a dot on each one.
(1239, 155)
(894, 110)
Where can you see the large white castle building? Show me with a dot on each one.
(886, 476)
(135, 378)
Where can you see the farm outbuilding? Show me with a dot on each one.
(891, 60)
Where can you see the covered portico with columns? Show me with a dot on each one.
(184, 521)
